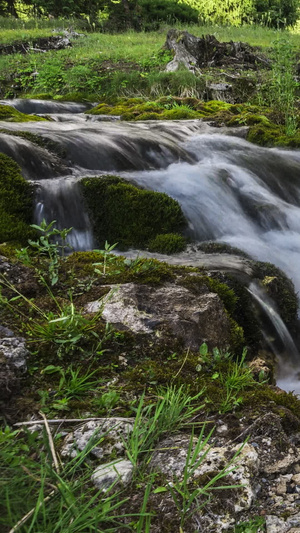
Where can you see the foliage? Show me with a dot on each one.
(16, 202)
(217, 11)
(276, 13)
(46, 245)
(146, 14)
(122, 213)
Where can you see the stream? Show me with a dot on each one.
(230, 191)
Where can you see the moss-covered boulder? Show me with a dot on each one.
(124, 214)
(10, 114)
(16, 202)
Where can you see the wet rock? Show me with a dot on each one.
(169, 310)
(106, 475)
(194, 52)
(106, 434)
(13, 355)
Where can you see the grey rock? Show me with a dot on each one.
(170, 310)
(13, 354)
(171, 456)
(107, 434)
(106, 475)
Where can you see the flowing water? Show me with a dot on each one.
(230, 190)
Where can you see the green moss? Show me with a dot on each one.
(11, 114)
(195, 284)
(169, 243)
(237, 337)
(268, 396)
(280, 288)
(121, 213)
(16, 203)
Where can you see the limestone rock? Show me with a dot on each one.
(167, 310)
(13, 354)
(105, 433)
(106, 475)
(170, 459)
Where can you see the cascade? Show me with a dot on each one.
(230, 190)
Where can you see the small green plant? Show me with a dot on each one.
(107, 400)
(74, 384)
(66, 328)
(238, 378)
(107, 258)
(252, 526)
(52, 245)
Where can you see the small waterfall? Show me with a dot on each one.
(288, 369)
(61, 200)
(230, 191)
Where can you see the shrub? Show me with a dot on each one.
(16, 202)
(127, 215)
(276, 13)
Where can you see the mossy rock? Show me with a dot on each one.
(168, 243)
(280, 288)
(270, 134)
(10, 114)
(124, 214)
(43, 142)
(16, 203)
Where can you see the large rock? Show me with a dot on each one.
(194, 52)
(169, 310)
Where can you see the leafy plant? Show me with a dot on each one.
(107, 258)
(47, 246)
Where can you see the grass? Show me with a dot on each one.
(54, 495)
(102, 65)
